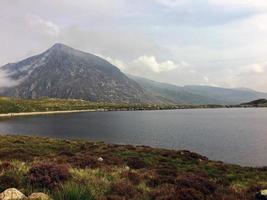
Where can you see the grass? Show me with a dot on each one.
(126, 172)
(72, 191)
(14, 105)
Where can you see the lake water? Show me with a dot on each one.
(234, 135)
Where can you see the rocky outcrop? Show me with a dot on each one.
(38, 196)
(262, 195)
(14, 194)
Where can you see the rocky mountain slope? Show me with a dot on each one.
(64, 72)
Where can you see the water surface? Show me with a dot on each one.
(234, 135)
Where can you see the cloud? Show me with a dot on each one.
(223, 40)
(206, 79)
(116, 62)
(5, 80)
(151, 63)
(247, 3)
(45, 26)
(254, 69)
(174, 3)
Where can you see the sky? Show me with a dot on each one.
(184, 42)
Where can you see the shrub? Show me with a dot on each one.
(191, 156)
(84, 161)
(135, 163)
(167, 172)
(72, 191)
(9, 180)
(172, 192)
(164, 192)
(6, 166)
(189, 194)
(48, 175)
(123, 189)
(201, 184)
(133, 177)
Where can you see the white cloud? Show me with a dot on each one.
(255, 69)
(247, 3)
(151, 63)
(174, 3)
(206, 79)
(5, 81)
(116, 62)
(37, 23)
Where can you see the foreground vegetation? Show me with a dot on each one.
(73, 169)
(12, 105)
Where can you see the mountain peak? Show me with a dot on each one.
(59, 46)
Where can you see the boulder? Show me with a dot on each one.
(12, 194)
(100, 159)
(262, 195)
(38, 196)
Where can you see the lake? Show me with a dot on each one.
(236, 135)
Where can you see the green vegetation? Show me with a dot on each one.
(256, 103)
(12, 105)
(74, 169)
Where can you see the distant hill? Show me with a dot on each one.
(198, 94)
(256, 103)
(174, 94)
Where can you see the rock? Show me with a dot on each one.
(12, 194)
(38, 196)
(100, 159)
(262, 195)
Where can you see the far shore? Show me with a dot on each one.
(48, 112)
(18, 114)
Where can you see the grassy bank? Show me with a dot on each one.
(12, 105)
(72, 169)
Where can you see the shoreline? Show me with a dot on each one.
(18, 114)
(48, 112)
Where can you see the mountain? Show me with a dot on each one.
(173, 94)
(198, 94)
(64, 72)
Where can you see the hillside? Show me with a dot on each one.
(256, 103)
(15, 105)
(229, 96)
(174, 94)
(63, 72)
(197, 94)
(75, 169)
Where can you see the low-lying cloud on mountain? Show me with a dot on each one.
(6, 81)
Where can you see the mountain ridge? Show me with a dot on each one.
(64, 72)
(199, 94)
